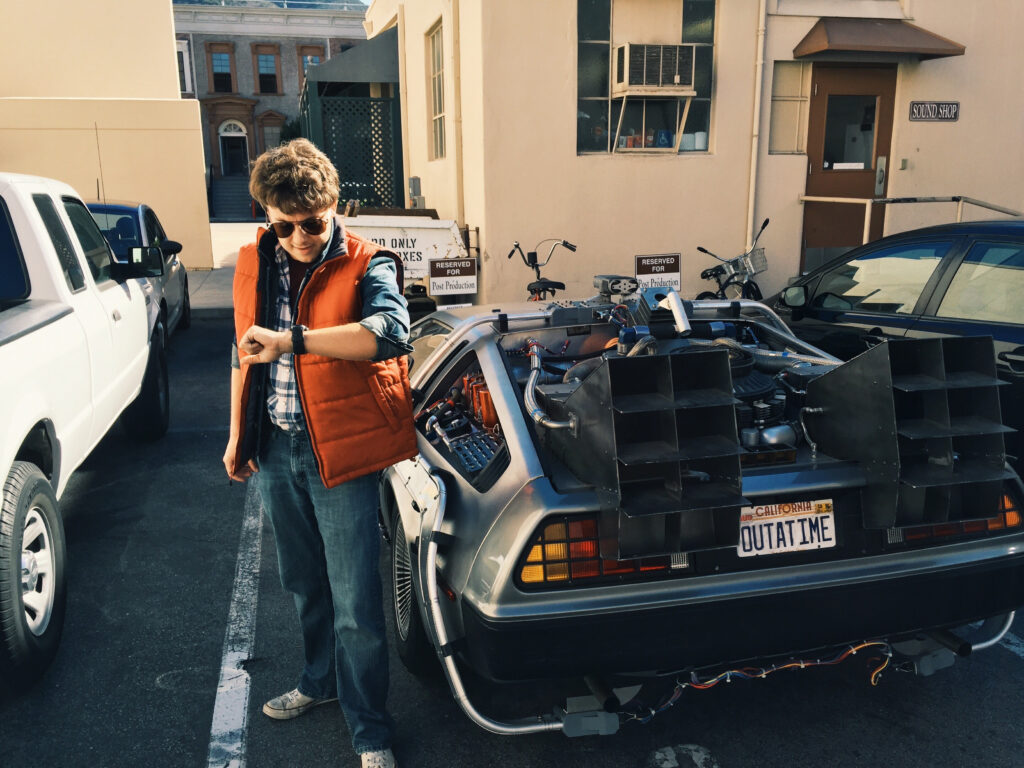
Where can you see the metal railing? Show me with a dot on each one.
(867, 202)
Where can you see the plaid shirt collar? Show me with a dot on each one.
(283, 401)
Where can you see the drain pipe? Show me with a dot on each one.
(542, 723)
(755, 137)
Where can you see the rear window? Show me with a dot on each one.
(97, 252)
(14, 285)
(121, 228)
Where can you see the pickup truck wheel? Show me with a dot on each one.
(148, 416)
(32, 576)
(411, 638)
(185, 322)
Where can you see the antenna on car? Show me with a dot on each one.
(100, 184)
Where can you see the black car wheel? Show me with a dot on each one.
(32, 576)
(148, 416)
(413, 647)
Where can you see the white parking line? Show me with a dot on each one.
(231, 708)
(682, 756)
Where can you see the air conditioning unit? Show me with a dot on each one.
(644, 69)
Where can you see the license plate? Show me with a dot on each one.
(770, 529)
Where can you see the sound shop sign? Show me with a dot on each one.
(934, 111)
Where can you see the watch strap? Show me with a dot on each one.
(298, 340)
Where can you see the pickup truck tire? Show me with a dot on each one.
(32, 576)
(410, 635)
(149, 414)
(185, 322)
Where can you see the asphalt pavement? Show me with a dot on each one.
(154, 533)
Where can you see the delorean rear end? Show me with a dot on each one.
(643, 488)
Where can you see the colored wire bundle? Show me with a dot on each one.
(646, 714)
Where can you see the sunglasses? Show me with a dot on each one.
(309, 226)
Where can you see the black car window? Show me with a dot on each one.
(97, 253)
(887, 280)
(66, 255)
(14, 285)
(988, 285)
(121, 228)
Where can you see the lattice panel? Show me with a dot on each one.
(359, 137)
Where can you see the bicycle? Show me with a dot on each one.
(735, 277)
(541, 287)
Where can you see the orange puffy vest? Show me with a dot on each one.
(358, 412)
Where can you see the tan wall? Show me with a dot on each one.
(148, 151)
(98, 49)
(980, 156)
(522, 179)
(89, 95)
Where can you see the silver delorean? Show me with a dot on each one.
(635, 489)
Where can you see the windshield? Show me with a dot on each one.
(425, 336)
(121, 228)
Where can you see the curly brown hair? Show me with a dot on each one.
(294, 178)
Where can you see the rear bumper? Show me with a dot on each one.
(742, 628)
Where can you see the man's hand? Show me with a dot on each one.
(261, 345)
(245, 471)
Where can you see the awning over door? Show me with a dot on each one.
(875, 36)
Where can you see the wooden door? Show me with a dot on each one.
(848, 139)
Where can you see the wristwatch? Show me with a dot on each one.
(298, 340)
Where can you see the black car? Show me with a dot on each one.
(963, 279)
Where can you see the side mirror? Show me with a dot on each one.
(795, 296)
(170, 247)
(143, 262)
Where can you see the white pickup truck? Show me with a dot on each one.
(79, 348)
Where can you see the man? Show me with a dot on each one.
(320, 403)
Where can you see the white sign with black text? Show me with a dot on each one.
(416, 239)
(658, 269)
(452, 276)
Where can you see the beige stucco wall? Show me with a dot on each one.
(980, 155)
(91, 98)
(98, 49)
(522, 179)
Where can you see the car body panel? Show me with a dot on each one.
(719, 607)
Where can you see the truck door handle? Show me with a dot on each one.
(1014, 359)
(116, 314)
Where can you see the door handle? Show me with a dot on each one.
(880, 164)
(1014, 359)
(116, 314)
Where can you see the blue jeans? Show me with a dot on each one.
(328, 548)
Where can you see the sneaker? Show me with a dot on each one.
(380, 759)
(292, 704)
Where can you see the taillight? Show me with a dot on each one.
(1009, 517)
(565, 551)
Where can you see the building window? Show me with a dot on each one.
(184, 67)
(791, 96)
(435, 49)
(266, 67)
(309, 56)
(646, 122)
(222, 67)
